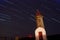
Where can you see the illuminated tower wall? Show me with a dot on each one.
(39, 19)
(40, 33)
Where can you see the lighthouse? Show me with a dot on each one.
(40, 32)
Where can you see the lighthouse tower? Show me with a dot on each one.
(39, 19)
(40, 33)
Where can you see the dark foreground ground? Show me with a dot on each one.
(52, 37)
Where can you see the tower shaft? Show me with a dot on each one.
(40, 33)
(39, 19)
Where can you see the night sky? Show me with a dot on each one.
(17, 17)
